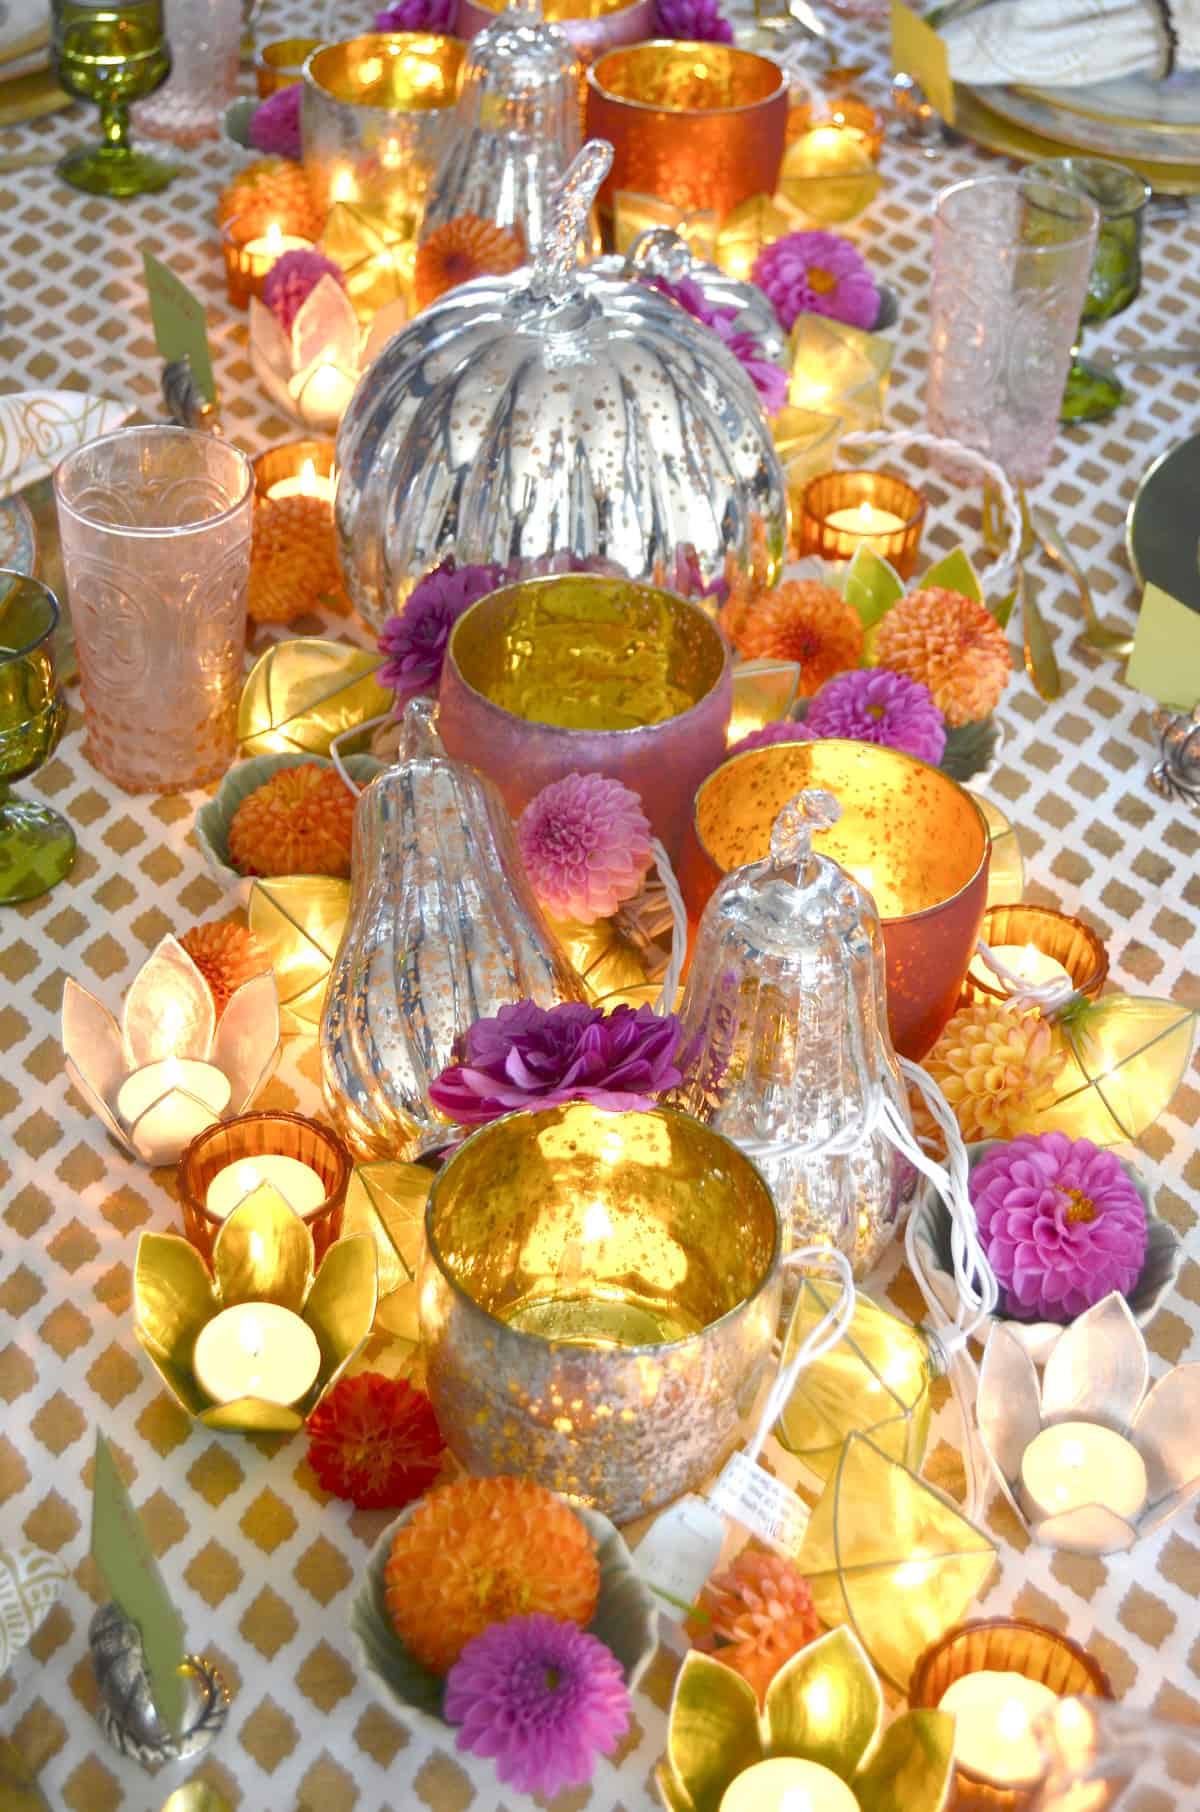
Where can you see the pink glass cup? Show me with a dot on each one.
(155, 530)
(582, 673)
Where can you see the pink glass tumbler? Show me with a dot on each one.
(155, 529)
(582, 673)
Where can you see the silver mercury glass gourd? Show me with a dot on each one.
(552, 411)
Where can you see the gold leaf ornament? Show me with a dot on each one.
(299, 920)
(303, 693)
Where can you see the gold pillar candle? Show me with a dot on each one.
(598, 1295)
(1055, 937)
(281, 63)
(841, 512)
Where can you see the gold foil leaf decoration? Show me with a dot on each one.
(341, 1307)
(173, 1294)
(1128, 1055)
(302, 693)
(749, 229)
(387, 1202)
(299, 920)
(264, 1253)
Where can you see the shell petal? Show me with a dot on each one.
(1166, 1432)
(169, 1008)
(1008, 1410)
(1098, 1370)
(1090, 1530)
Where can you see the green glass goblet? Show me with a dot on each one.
(1093, 391)
(112, 52)
(37, 846)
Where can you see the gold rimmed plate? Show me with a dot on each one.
(1160, 531)
(1065, 114)
(28, 97)
(979, 122)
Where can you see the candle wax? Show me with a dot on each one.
(195, 1094)
(1033, 966)
(994, 1716)
(1075, 1464)
(865, 519)
(261, 253)
(298, 1184)
(256, 1349)
(322, 393)
(307, 483)
(788, 1784)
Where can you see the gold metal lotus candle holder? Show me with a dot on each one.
(1097, 1457)
(299, 921)
(1127, 1055)
(1006, 867)
(598, 1297)
(304, 692)
(263, 1263)
(173, 1067)
(817, 1744)
(837, 370)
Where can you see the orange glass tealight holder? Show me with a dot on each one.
(1041, 946)
(279, 64)
(843, 113)
(297, 468)
(841, 512)
(998, 1676)
(304, 1161)
(250, 250)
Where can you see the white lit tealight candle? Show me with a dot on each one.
(865, 518)
(298, 1184)
(191, 1095)
(1075, 1464)
(994, 1718)
(1033, 966)
(256, 1349)
(308, 482)
(261, 253)
(322, 392)
(787, 1784)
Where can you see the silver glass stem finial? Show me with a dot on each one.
(557, 259)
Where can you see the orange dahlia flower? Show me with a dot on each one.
(293, 560)
(300, 822)
(759, 1613)
(997, 1065)
(271, 189)
(478, 1552)
(802, 621)
(464, 248)
(226, 955)
(952, 645)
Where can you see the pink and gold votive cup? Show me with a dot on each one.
(247, 1145)
(281, 64)
(699, 125)
(841, 512)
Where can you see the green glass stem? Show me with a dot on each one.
(114, 123)
(1092, 391)
(37, 848)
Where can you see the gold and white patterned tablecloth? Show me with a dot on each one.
(261, 1562)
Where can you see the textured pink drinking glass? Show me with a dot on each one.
(155, 531)
(582, 673)
(1011, 256)
(205, 38)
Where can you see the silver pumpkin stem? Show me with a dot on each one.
(555, 266)
(801, 818)
(659, 252)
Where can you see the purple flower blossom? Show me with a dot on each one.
(697, 21)
(784, 729)
(414, 642)
(537, 1057)
(817, 273)
(870, 704)
(292, 279)
(585, 842)
(686, 577)
(1061, 1223)
(418, 15)
(275, 123)
(540, 1696)
(769, 379)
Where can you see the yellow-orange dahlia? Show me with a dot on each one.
(293, 560)
(478, 1552)
(300, 822)
(464, 248)
(997, 1065)
(757, 1614)
(952, 645)
(271, 190)
(226, 955)
(802, 621)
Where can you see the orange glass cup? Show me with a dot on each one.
(1054, 934)
(841, 512)
(265, 1135)
(699, 125)
(911, 835)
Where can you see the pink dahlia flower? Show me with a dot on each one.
(696, 21)
(418, 15)
(769, 379)
(585, 842)
(870, 704)
(275, 123)
(820, 274)
(1061, 1222)
(292, 279)
(784, 729)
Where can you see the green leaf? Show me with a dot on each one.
(872, 586)
(969, 748)
(912, 1768)
(825, 1704)
(955, 573)
(1004, 608)
(713, 1732)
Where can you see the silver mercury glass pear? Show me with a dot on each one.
(785, 1039)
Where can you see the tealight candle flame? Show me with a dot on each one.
(596, 1222)
(308, 479)
(250, 1337)
(248, 1179)
(1012, 1721)
(172, 1072)
(795, 1800)
(1073, 1453)
(274, 239)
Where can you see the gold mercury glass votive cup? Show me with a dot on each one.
(598, 1295)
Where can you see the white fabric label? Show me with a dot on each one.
(764, 1505)
(679, 1551)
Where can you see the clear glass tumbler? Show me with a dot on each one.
(155, 529)
(1011, 256)
(205, 39)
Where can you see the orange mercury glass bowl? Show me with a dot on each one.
(911, 835)
(699, 125)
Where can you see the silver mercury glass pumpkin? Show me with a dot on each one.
(552, 411)
(786, 1044)
(662, 252)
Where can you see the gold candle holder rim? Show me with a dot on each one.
(389, 43)
(193, 1153)
(682, 608)
(732, 53)
(1092, 983)
(153, 531)
(843, 472)
(876, 749)
(323, 454)
(655, 1349)
(290, 53)
(558, 12)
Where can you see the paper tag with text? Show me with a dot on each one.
(764, 1505)
(1165, 663)
(918, 51)
(679, 1551)
(130, 1573)
(180, 323)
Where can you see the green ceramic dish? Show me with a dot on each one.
(211, 829)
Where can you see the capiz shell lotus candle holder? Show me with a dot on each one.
(263, 1254)
(1097, 1373)
(311, 369)
(598, 1297)
(188, 1067)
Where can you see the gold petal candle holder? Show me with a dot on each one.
(839, 370)
(299, 920)
(1006, 869)
(1127, 1056)
(598, 1297)
(227, 1163)
(842, 512)
(387, 1201)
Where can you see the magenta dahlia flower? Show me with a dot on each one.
(535, 1057)
(871, 704)
(418, 15)
(686, 576)
(414, 642)
(784, 729)
(820, 274)
(292, 279)
(697, 21)
(769, 379)
(585, 841)
(540, 1696)
(1061, 1222)
(275, 123)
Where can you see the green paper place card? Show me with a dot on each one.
(180, 323)
(130, 1573)
(1165, 663)
(918, 51)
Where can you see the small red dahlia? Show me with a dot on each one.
(375, 1441)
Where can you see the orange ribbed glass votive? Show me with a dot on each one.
(843, 113)
(250, 250)
(1042, 932)
(841, 512)
(698, 125)
(911, 835)
(264, 1136)
(296, 464)
(281, 63)
(1002, 1645)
